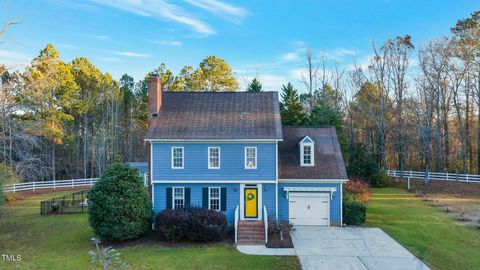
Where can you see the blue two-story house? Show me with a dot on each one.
(229, 152)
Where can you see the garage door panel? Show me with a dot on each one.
(309, 209)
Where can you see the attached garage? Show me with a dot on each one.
(309, 208)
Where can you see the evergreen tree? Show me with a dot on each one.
(255, 86)
(49, 99)
(324, 114)
(291, 109)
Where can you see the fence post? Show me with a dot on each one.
(467, 177)
(54, 183)
(91, 182)
(447, 175)
(408, 183)
(14, 185)
(33, 185)
(72, 183)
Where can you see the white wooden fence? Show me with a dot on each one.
(73, 183)
(436, 176)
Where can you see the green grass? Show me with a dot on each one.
(62, 242)
(427, 232)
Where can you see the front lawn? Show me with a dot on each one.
(62, 242)
(426, 231)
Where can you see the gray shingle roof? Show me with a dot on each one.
(328, 155)
(221, 115)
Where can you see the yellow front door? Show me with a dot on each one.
(251, 200)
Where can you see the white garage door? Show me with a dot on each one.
(309, 208)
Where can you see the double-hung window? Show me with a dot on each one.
(307, 152)
(214, 157)
(214, 198)
(177, 157)
(250, 157)
(178, 197)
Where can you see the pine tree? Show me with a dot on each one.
(255, 86)
(291, 109)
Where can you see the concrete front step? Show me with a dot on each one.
(251, 242)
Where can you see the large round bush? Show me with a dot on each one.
(119, 205)
(354, 213)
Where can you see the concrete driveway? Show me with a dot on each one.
(351, 248)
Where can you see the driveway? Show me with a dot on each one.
(351, 248)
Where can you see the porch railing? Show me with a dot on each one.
(265, 223)
(237, 217)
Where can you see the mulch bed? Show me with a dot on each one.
(275, 242)
(440, 187)
(152, 238)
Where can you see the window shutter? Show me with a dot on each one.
(187, 197)
(223, 204)
(169, 197)
(205, 197)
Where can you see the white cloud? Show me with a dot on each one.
(67, 46)
(272, 80)
(340, 52)
(13, 59)
(221, 9)
(291, 56)
(131, 54)
(110, 59)
(160, 9)
(296, 73)
(101, 37)
(169, 42)
(8, 54)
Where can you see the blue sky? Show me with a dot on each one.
(257, 38)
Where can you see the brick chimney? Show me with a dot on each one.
(154, 97)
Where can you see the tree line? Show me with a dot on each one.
(409, 107)
(70, 120)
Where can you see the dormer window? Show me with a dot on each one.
(307, 157)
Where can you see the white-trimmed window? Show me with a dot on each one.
(307, 152)
(177, 157)
(250, 157)
(178, 197)
(214, 157)
(214, 198)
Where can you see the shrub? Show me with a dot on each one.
(119, 205)
(206, 225)
(106, 257)
(7, 176)
(172, 224)
(381, 180)
(356, 190)
(280, 227)
(193, 224)
(354, 213)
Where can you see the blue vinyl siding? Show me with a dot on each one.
(268, 197)
(232, 162)
(233, 197)
(335, 204)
